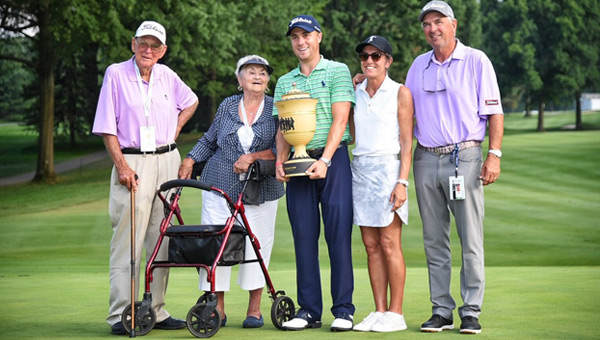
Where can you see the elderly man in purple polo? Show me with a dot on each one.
(141, 110)
(456, 96)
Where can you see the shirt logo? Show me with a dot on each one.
(491, 102)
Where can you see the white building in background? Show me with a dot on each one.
(590, 101)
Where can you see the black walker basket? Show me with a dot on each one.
(201, 244)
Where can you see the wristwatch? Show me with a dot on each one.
(403, 182)
(496, 153)
(327, 161)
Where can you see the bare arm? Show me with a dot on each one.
(184, 117)
(352, 127)
(126, 174)
(340, 112)
(405, 122)
(491, 167)
(283, 152)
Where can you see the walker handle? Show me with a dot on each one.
(185, 183)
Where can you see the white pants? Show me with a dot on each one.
(152, 170)
(262, 223)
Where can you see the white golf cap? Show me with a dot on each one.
(154, 29)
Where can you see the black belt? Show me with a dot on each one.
(158, 151)
(317, 153)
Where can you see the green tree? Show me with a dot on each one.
(16, 80)
(578, 53)
(544, 50)
(18, 18)
(53, 27)
(346, 23)
(509, 40)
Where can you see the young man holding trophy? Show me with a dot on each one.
(324, 183)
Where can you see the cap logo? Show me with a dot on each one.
(300, 19)
(371, 39)
(433, 5)
(152, 27)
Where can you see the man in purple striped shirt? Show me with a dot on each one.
(456, 96)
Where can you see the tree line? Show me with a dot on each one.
(53, 53)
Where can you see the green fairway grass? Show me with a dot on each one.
(542, 243)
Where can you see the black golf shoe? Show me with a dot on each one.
(470, 325)
(437, 323)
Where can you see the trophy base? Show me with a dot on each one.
(297, 167)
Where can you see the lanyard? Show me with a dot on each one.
(146, 97)
(454, 156)
(247, 127)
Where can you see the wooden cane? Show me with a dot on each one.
(132, 333)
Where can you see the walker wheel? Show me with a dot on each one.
(282, 310)
(202, 328)
(202, 298)
(143, 323)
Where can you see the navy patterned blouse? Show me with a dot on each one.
(220, 147)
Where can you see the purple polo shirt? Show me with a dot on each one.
(453, 99)
(120, 108)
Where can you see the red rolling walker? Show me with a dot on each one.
(205, 247)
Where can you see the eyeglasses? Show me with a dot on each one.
(364, 56)
(143, 46)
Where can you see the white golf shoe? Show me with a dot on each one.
(342, 323)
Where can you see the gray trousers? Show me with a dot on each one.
(432, 172)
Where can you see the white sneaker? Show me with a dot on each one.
(341, 324)
(389, 322)
(368, 322)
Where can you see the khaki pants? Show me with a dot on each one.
(152, 170)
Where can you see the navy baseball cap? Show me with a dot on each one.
(306, 22)
(377, 41)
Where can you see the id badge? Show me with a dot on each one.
(457, 188)
(147, 139)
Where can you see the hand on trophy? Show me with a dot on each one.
(318, 170)
(280, 173)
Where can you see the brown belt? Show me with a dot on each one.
(449, 148)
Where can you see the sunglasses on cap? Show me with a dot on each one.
(364, 56)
